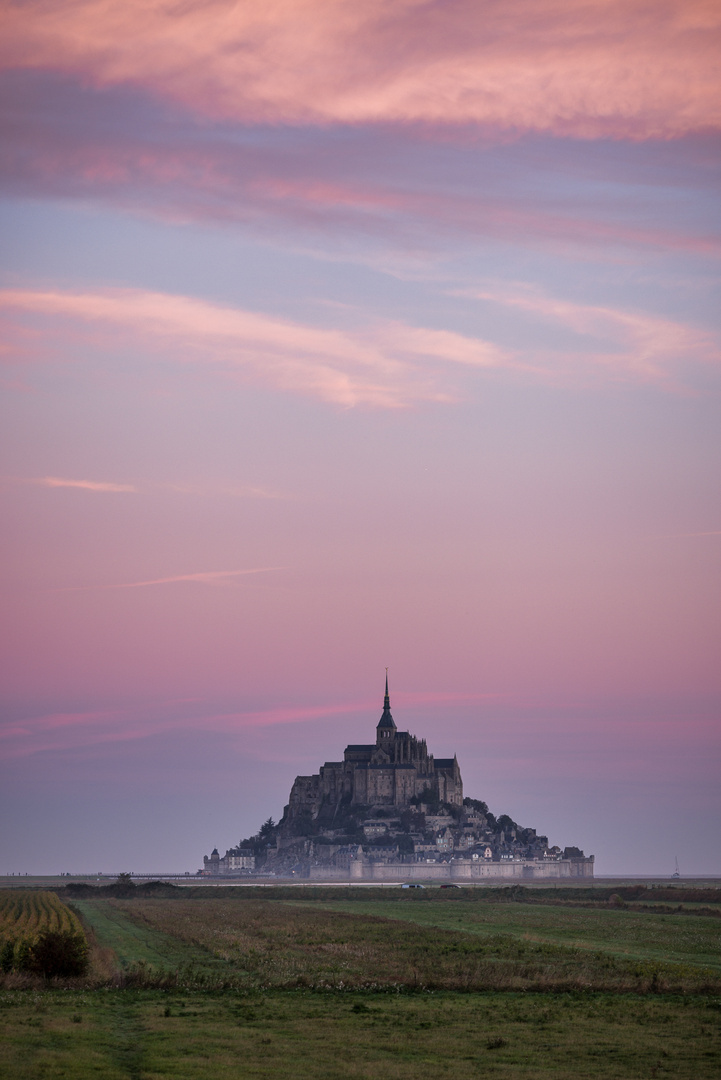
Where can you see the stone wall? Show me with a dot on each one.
(460, 870)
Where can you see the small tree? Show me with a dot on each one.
(59, 953)
(266, 833)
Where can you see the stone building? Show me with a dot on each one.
(234, 861)
(390, 772)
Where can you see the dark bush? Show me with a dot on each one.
(80, 889)
(124, 887)
(7, 956)
(59, 953)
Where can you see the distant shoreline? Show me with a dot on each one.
(58, 881)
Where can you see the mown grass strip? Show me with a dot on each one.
(146, 955)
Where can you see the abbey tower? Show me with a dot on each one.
(390, 772)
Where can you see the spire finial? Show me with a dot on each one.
(386, 699)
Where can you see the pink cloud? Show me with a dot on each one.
(690, 535)
(193, 178)
(59, 140)
(638, 344)
(84, 485)
(206, 490)
(620, 68)
(388, 365)
(57, 732)
(63, 731)
(203, 577)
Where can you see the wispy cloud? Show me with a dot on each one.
(58, 732)
(690, 535)
(387, 364)
(227, 491)
(384, 184)
(84, 485)
(619, 68)
(203, 490)
(203, 577)
(384, 364)
(624, 344)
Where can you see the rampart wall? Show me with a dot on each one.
(459, 871)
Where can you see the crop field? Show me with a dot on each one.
(25, 914)
(203, 983)
(26, 919)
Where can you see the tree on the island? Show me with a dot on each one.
(507, 824)
(262, 840)
(266, 833)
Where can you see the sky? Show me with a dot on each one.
(338, 337)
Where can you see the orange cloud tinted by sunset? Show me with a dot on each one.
(622, 68)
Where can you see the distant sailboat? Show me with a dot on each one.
(676, 872)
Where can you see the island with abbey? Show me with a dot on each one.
(390, 811)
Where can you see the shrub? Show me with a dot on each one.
(124, 887)
(59, 953)
(7, 954)
(22, 955)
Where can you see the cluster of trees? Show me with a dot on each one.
(263, 839)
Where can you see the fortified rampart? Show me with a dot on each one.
(459, 870)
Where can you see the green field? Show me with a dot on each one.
(677, 938)
(218, 984)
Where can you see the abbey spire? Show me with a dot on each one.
(386, 725)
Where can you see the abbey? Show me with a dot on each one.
(390, 811)
(391, 772)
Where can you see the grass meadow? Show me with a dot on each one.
(330, 983)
